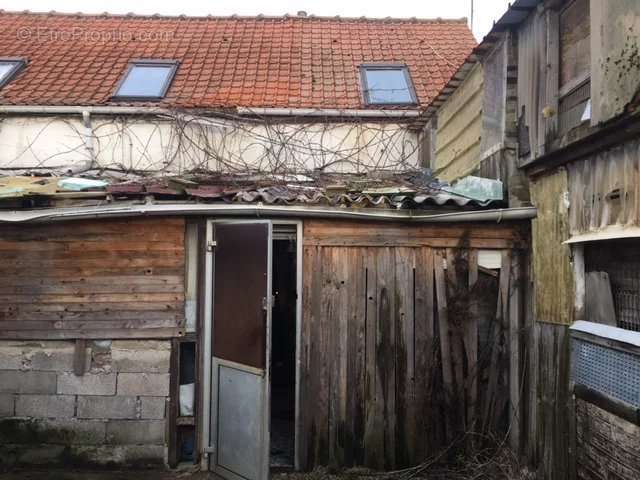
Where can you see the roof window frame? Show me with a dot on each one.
(146, 62)
(403, 67)
(20, 64)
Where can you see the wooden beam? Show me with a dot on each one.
(471, 341)
(80, 357)
(515, 377)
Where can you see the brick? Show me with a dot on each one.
(145, 384)
(135, 432)
(106, 407)
(57, 432)
(88, 384)
(153, 407)
(45, 406)
(14, 381)
(141, 356)
(6, 405)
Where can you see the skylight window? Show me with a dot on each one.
(146, 80)
(387, 85)
(9, 67)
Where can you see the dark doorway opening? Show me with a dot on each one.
(283, 351)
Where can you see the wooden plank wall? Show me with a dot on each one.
(92, 279)
(381, 384)
(549, 432)
(554, 452)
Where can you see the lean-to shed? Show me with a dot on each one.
(336, 332)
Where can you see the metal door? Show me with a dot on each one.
(241, 317)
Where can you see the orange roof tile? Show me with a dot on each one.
(225, 62)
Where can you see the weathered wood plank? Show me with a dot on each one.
(132, 333)
(456, 296)
(338, 281)
(108, 275)
(53, 325)
(346, 233)
(514, 306)
(308, 376)
(86, 289)
(94, 308)
(471, 341)
(18, 317)
(374, 428)
(356, 358)
(445, 338)
(99, 281)
(72, 271)
(406, 443)
(425, 354)
(385, 352)
(122, 298)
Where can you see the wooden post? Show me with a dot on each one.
(471, 341)
(80, 357)
(515, 309)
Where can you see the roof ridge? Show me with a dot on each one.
(309, 17)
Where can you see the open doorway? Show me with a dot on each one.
(283, 349)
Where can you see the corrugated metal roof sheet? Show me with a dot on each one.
(410, 190)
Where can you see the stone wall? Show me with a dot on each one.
(112, 415)
(607, 446)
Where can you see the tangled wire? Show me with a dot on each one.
(173, 142)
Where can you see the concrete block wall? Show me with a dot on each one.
(113, 415)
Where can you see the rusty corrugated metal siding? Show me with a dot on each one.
(604, 190)
(553, 273)
(531, 81)
(460, 129)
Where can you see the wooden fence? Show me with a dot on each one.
(408, 344)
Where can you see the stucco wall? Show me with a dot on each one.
(615, 56)
(179, 143)
(459, 129)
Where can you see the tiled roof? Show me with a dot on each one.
(225, 62)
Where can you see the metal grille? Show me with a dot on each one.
(605, 370)
(621, 260)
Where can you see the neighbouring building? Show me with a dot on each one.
(219, 245)
(552, 94)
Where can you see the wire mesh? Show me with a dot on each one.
(606, 370)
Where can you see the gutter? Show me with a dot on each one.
(267, 112)
(79, 110)
(330, 112)
(260, 210)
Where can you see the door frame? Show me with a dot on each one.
(207, 337)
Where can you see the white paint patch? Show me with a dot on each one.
(606, 331)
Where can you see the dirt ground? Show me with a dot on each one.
(54, 474)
